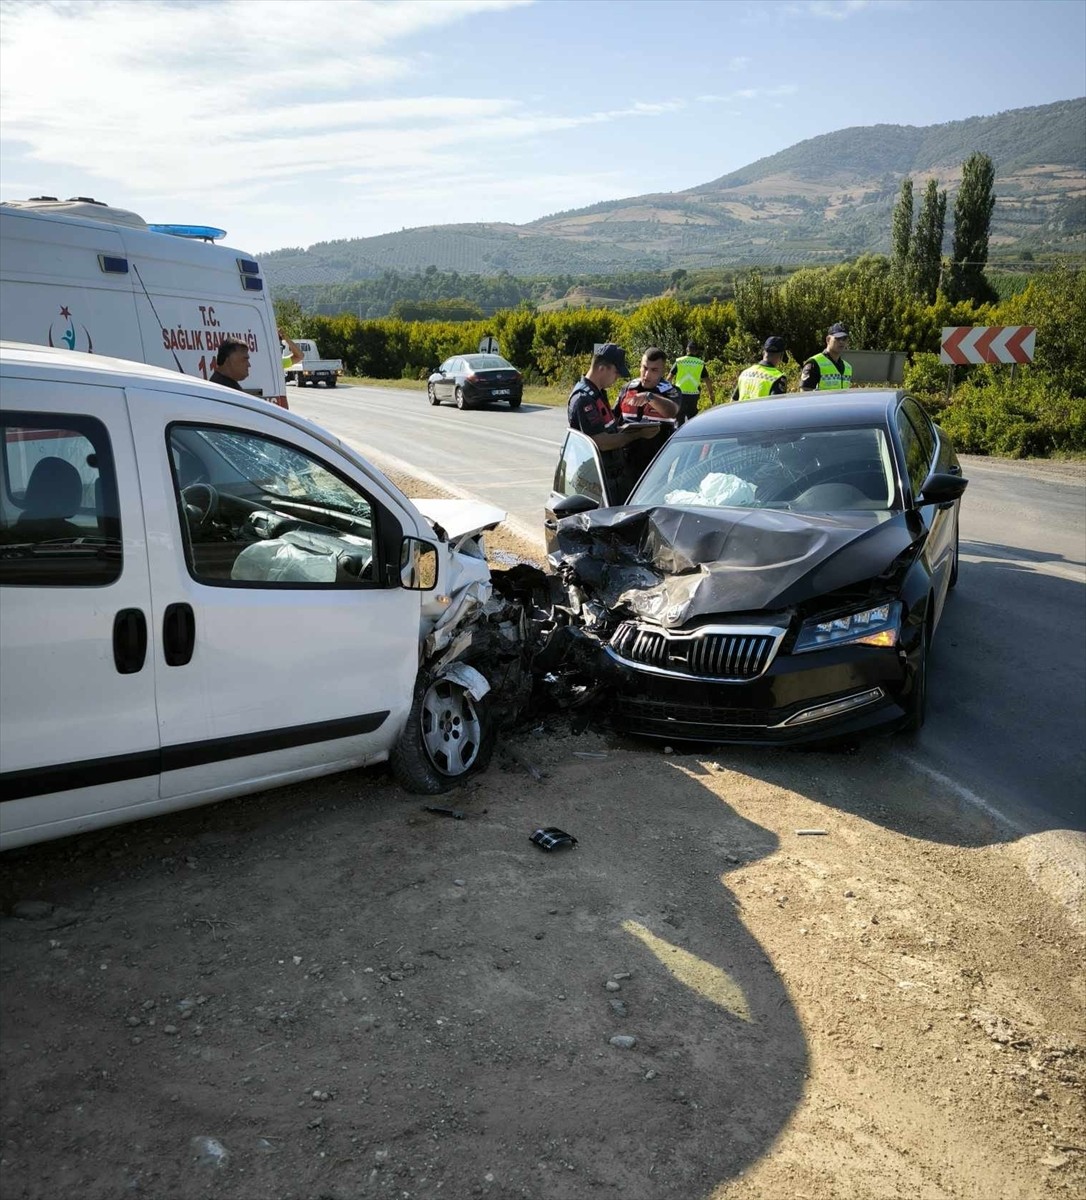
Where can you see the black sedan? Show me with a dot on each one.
(474, 379)
(775, 576)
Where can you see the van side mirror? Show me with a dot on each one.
(942, 488)
(569, 506)
(418, 565)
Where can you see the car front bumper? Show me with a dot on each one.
(800, 698)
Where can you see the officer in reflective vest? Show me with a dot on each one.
(828, 371)
(765, 378)
(292, 354)
(687, 375)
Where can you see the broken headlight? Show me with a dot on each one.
(871, 627)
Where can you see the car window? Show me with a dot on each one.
(257, 512)
(487, 362)
(921, 422)
(447, 366)
(578, 472)
(917, 459)
(824, 470)
(59, 516)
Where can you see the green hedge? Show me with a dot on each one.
(1040, 412)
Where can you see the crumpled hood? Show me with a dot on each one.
(673, 564)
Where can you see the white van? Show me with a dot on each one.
(203, 595)
(79, 275)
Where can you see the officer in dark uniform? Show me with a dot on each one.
(589, 411)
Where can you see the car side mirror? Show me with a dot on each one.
(569, 506)
(942, 488)
(418, 565)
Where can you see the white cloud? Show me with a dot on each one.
(751, 93)
(247, 103)
(832, 10)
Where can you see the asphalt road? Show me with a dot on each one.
(1007, 688)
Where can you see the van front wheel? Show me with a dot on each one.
(449, 736)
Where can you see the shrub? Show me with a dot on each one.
(1029, 417)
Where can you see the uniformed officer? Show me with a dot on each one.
(589, 411)
(828, 371)
(649, 397)
(291, 351)
(688, 374)
(765, 378)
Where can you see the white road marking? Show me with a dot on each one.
(966, 794)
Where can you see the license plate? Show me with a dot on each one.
(501, 392)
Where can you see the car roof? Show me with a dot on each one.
(806, 410)
(28, 361)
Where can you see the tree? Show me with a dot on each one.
(901, 231)
(972, 224)
(926, 251)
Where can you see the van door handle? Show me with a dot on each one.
(178, 634)
(129, 640)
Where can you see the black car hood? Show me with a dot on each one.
(673, 564)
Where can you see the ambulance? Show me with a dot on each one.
(79, 275)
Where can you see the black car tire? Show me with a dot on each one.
(514, 401)
(431, 394)
(918, 698)
(461, 399)
(953, 583)
(329, 383)
(449, 736)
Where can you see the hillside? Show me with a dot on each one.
(822, 199)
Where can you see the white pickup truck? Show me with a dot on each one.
(313, 369)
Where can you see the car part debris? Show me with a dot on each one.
(551, 838)
(811, 833)
(455, 813)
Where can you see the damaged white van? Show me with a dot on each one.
(203, 595)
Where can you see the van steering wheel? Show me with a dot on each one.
(201, 503)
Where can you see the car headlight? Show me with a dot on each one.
(871, 627)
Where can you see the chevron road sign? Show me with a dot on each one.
(964, 344)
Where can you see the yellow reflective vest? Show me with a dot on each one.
(830, 376)
(756, 381)
(688, 371)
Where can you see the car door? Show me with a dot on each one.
(579, 473)
(78, 726)
(444, 386)
(918, 444)
(285, 645)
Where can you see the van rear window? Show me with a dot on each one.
(60, 520)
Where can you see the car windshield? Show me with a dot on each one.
(487, 362)
(822, 470)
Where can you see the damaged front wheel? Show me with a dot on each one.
(449, 736)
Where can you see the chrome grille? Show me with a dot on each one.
(709, 653)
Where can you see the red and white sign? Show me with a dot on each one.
(964, 344)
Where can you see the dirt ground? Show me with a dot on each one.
(327, 992)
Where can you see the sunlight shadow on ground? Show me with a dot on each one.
(695, 973)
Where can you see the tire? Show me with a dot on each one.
(329, 383)
(954, 566)
(918, 698)
(514, 401)
(461, 399)
(431, 395)
(301, 382)
(449, 736)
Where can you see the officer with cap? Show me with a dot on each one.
(828, 371)
(765, 378)
(589, 411)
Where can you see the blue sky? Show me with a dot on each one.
(289, 122)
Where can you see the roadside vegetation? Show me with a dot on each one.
(900, 302)
(1040, 410)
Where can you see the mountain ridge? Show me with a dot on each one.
(784, 208)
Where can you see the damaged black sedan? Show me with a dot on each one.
(775, 576)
